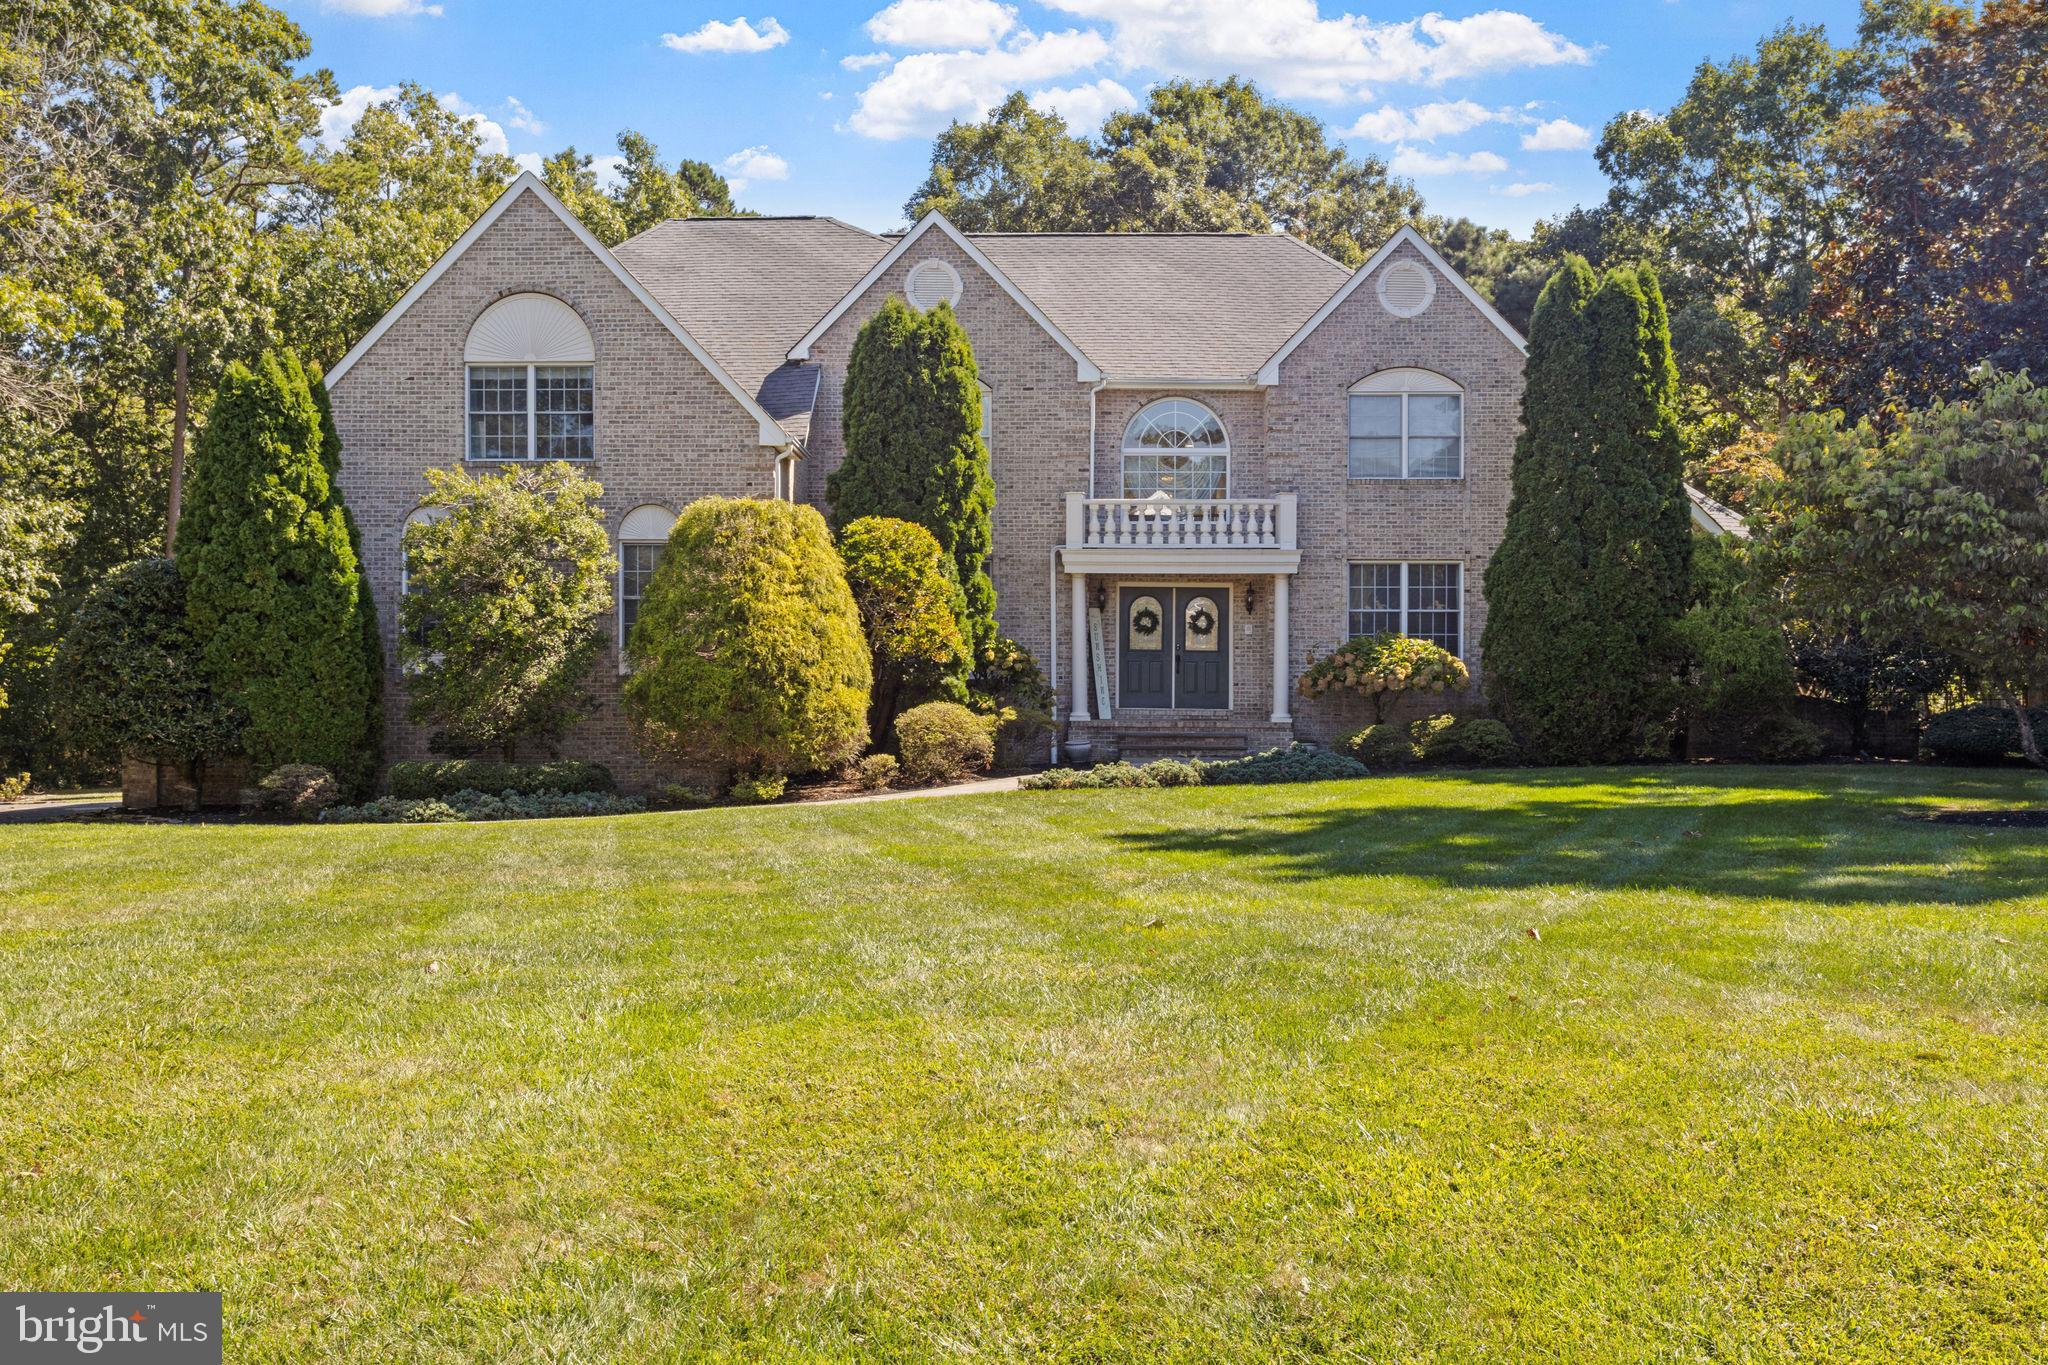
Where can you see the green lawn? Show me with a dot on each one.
(1710, 1064)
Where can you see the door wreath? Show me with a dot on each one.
(1144, 621)
(1201, 621)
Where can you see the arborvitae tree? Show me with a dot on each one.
(366, 603)
(1585, 588)
(272, 586)
(912, 426)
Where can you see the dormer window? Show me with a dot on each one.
(531, 382)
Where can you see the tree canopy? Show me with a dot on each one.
(1201, 156)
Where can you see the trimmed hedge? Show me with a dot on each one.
(416, 781)
(1298, 763)
(1978, 734)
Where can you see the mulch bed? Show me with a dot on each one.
(2030, 818)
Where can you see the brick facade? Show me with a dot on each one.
(668, 432)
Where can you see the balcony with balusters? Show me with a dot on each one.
(1163, 534)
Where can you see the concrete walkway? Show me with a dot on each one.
(987, 784)
(58, 806)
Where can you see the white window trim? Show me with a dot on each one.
(533, 368)
(1125, 449)
(1406, 389)
(1464, 577)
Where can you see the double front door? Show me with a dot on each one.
(1173, 648)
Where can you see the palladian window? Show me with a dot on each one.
(1177, 447)
(531, 382)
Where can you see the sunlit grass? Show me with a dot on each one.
(1695, 1064)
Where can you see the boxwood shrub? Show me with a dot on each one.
(1462, 742)
(417, 781)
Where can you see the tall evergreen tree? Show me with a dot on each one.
(366, 604)
(912, 426)
(272, 585)
(1584, 591)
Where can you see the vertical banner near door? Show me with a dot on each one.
(1099, 658)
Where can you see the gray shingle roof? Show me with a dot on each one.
(749, 288)
(1190, 306)
(1719, 518)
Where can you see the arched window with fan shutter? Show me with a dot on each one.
(530, 375)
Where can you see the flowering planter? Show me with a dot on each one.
(161, 784)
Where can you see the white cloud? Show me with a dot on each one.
(1522, 189)
(931, 25)
(1409, 161)
(337, 118)
(753, 163)
(1557, 135)
(861, 61)
(921, 93)
(529, 161)
(1424, 123)
(522, 118)
(1289, 47)
(380, 9)
(738, 36)
(488, 130)
(1084, 107)
(610, 170)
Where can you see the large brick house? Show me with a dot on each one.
(1215, 455)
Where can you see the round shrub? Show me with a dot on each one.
(1977, 734)
(1468, 743)
(1385, 745)
(300, 790)
(130, 678)
(1784, 738)
(1382, 667)
(942, 739)
(748, 652)
(875, 772)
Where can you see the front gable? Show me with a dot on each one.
(541, 226)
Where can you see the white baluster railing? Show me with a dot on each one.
(1177, 523)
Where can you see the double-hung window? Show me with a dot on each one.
(643, 535)
(1407, 424)
(531, 382)
(1425, 600)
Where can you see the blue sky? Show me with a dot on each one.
(822, 106)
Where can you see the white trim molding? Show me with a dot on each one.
(1085, 370)
(771, 432)
(1269, 373)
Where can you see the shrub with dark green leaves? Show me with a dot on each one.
(130, 679)
(942, 739)
(1008, 682)
(1381, 746)
(272, 587)
(473, 805)
(439, 778)
(1970, 736)
(1296, 763)
(1785, 738)
(299, 790)
(1467, 742)
(749, 653)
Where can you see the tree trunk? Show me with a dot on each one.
(180, 413)
(2030, 743)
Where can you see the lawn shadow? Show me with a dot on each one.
(1644, 829)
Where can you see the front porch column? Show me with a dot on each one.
(1080, 649)
(1280, 679)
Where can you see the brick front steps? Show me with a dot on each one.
(1143, 741)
